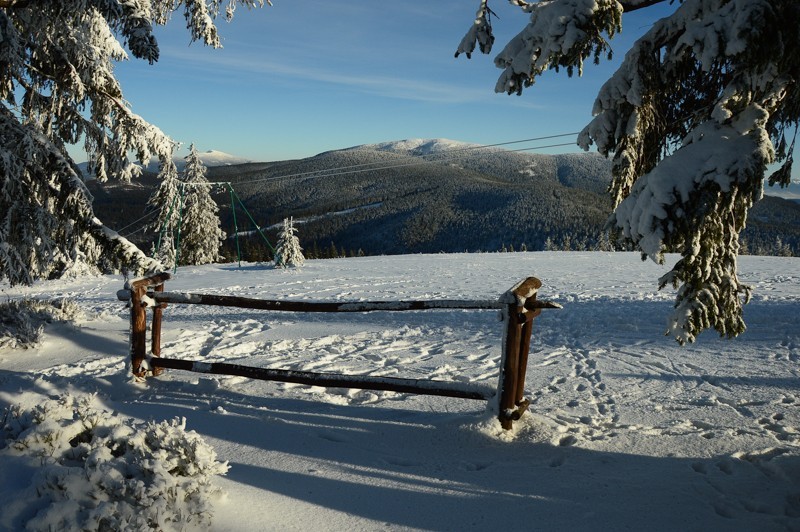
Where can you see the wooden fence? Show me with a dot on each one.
(519, 307)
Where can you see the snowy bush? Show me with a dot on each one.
(101, 472)
(22, 321)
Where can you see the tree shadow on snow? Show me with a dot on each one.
(437, 470)
(426, 469)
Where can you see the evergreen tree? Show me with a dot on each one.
(164, 250)
(201, 234)
(566, 242)
(701, 104)
(58, 88)
(782, 249)
(168, 200)
(288, 251)
(604, 242)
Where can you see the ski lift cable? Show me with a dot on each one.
(129, 235)
(353, 169)
(247, 212)
(417, 160)
(148, 215)
(235, 226)
(443, 154)
(444, 157)
(544, 147)
(180, 225)
(236, 196)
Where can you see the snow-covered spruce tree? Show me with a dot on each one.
(201, 235)
(288, 251)
(164, 250)
(57, 88)
(168, 201)
(701, 104)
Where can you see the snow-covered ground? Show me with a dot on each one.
(626, 430)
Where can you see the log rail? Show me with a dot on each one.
(519, 307)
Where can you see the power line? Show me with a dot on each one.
(416, 159)
(411, 160)
(545, 147)
(149, 214)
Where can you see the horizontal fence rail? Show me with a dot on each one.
(518, 305)
(364, 382)
(327, 306)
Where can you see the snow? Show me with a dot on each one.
(626, 429)
(792, 192)
(209, 158)
(711, 153)
(220, 158)
(556, 30)
(420, 147)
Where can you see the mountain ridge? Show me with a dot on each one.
(425, 196)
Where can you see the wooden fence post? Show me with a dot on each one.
(524, 348)
(139, 302)
(508, 382)
(138, 329)
(521, 309)
(155, 348)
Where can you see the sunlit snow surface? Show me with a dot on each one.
(626, 430)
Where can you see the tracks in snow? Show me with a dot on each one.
(645, 394)
(449, 352)
(590, 391)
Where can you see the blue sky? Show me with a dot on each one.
(306, 76)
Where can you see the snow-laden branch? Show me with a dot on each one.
(687, 169)
(57, 87)
(699, 107)
(634, 5)
(560, 34)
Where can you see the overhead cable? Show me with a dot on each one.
(444, 156)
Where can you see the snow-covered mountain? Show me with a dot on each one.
(210, 158)
(428, 195)
(418, 146)
(791, 193)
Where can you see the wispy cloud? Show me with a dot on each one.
(396, 87)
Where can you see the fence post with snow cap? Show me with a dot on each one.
(519, 307)
(136, 292)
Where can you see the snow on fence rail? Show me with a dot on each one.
(519, 307)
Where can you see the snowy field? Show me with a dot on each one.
(626, 430)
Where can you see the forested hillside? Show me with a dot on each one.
(425, 196)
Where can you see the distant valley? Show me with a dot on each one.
(422, 196)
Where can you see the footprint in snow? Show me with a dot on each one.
(333, 436)
(567, 441)
(781, 432)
